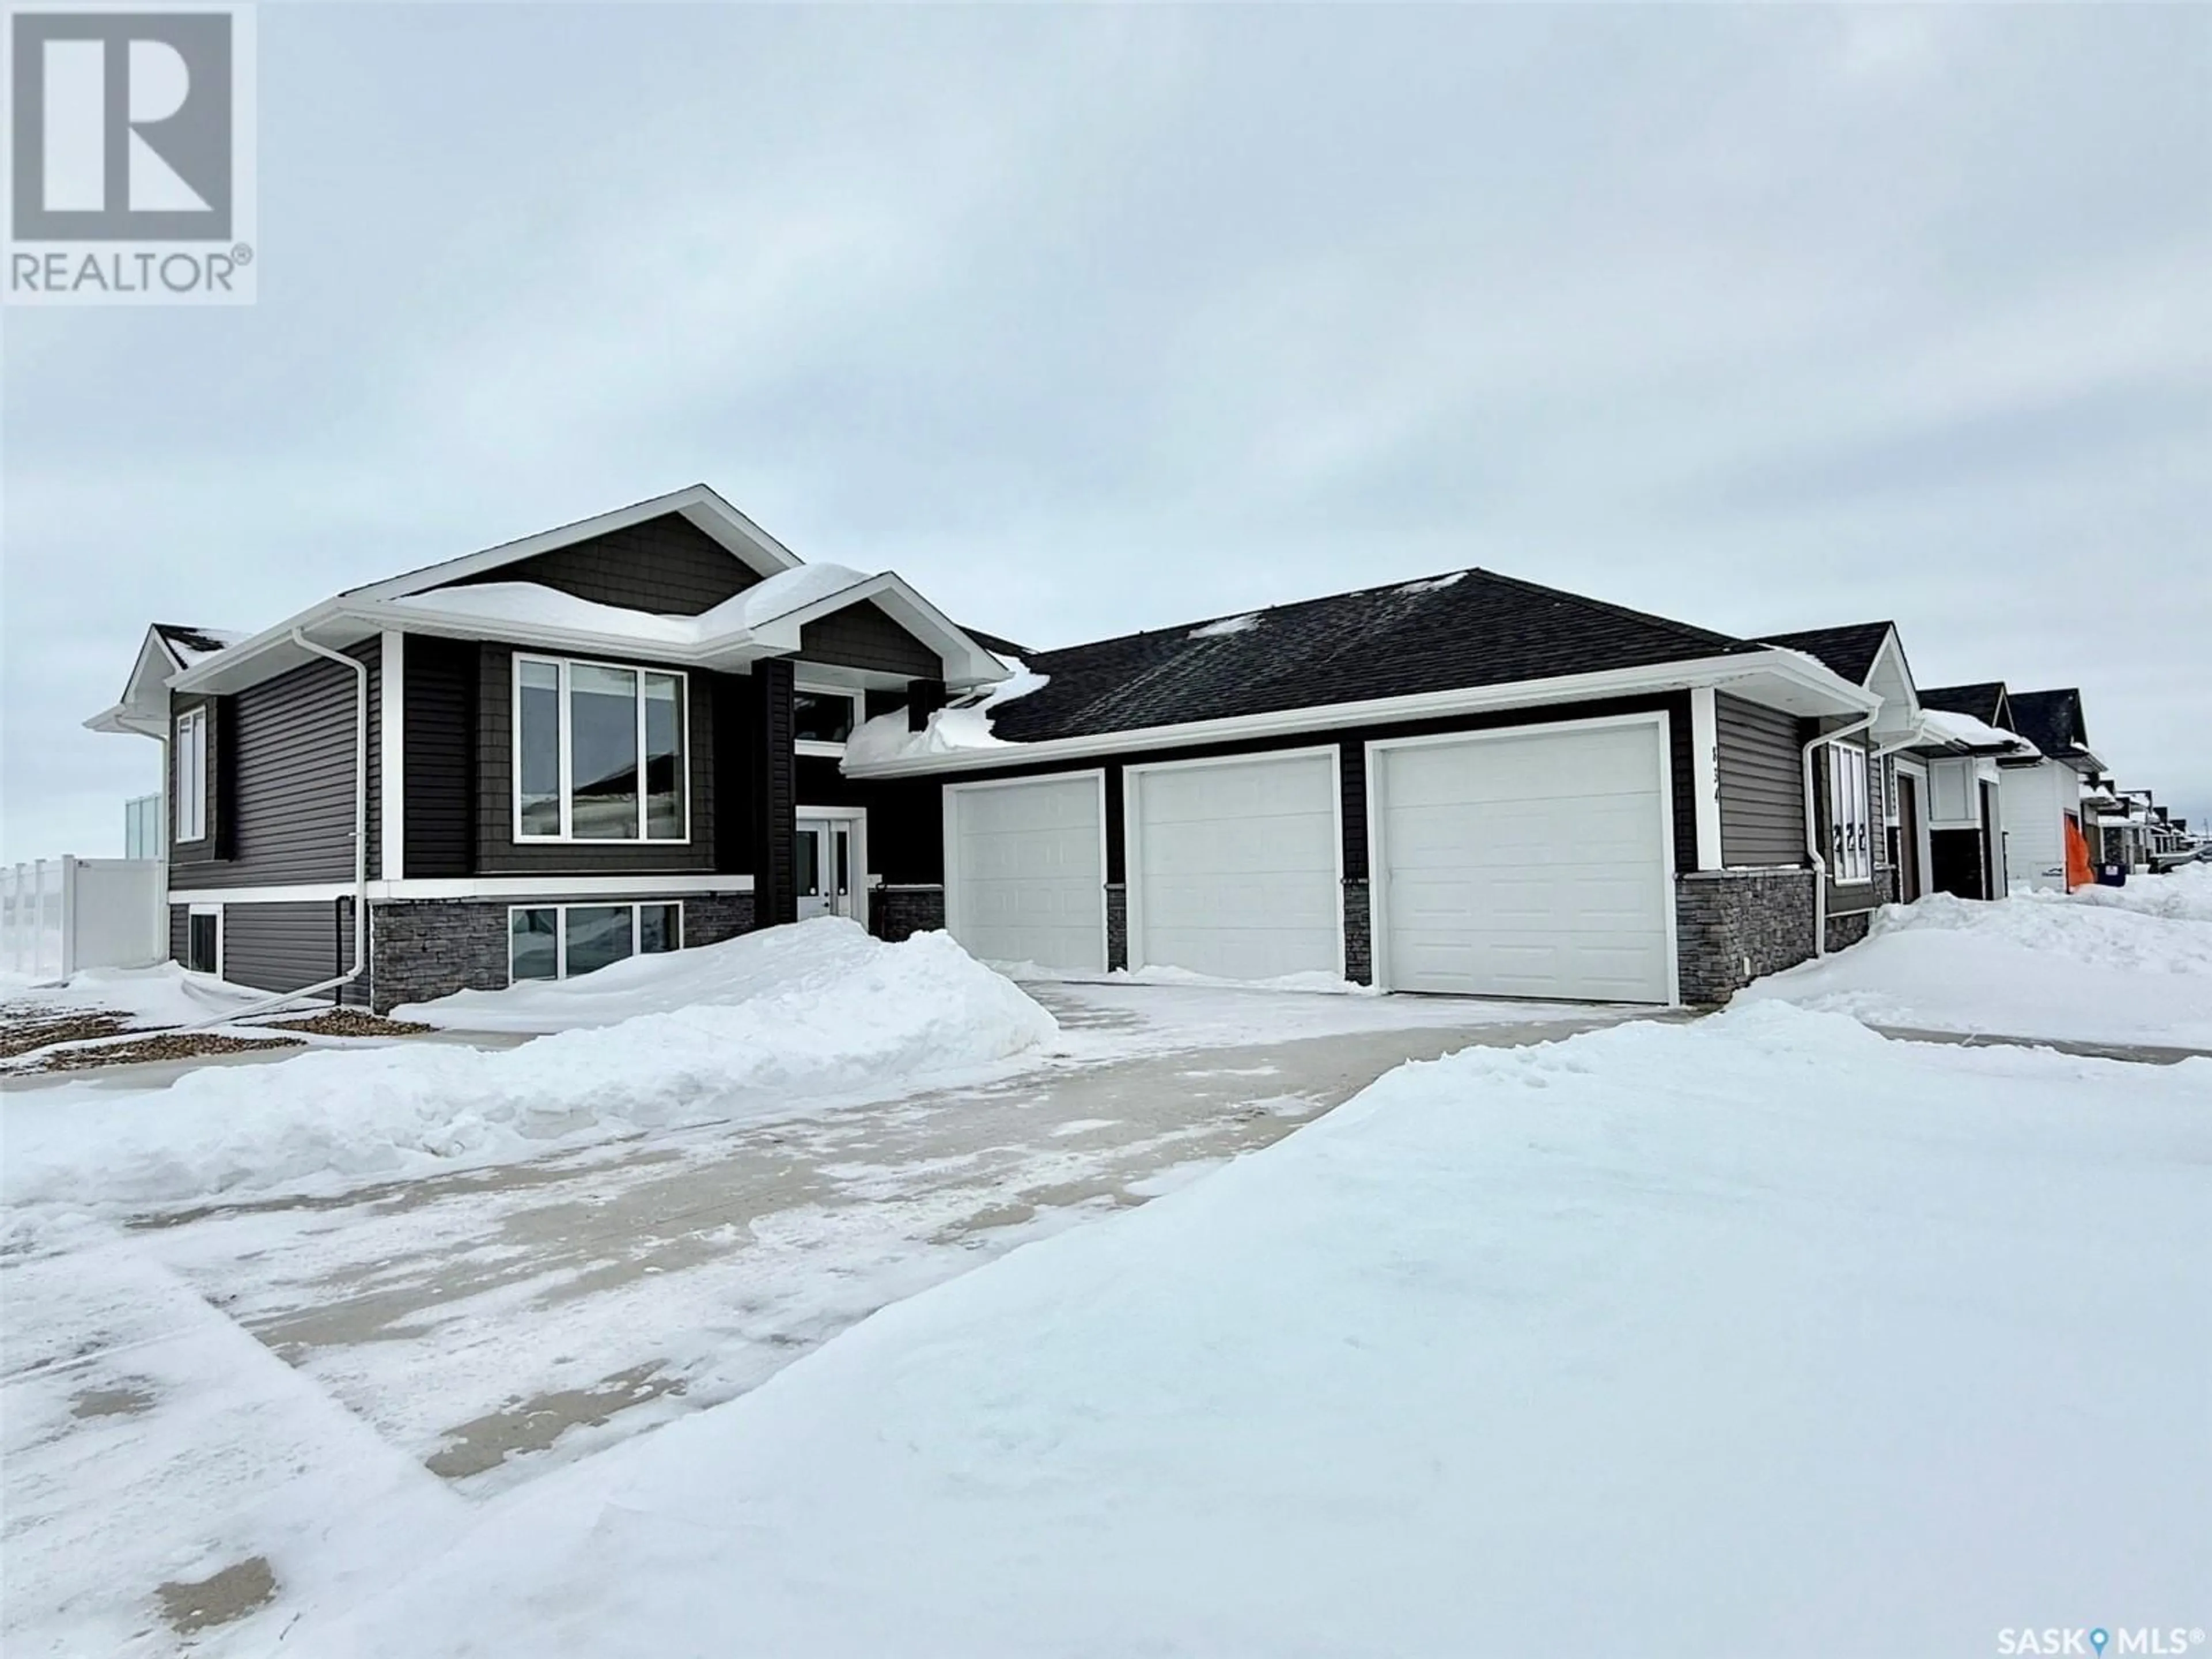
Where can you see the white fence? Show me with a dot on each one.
(57, 915)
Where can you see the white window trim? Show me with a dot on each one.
(561, 931)
(192, 783)
(215, 910)
(815, 746)
(566, 836)
(1839, 763)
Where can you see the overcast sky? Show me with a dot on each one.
(1090, 321)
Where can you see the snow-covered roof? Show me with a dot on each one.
(961, 726)
(1943, 726)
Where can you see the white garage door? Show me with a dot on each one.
(1233, 867)
(1024, 872)
(1531, 865)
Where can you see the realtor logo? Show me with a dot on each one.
(130, 179)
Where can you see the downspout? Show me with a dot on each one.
(360, 852)
(1813, 832)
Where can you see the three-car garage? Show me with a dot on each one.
(1527, 861)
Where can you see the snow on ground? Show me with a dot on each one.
(759, 1024)
(1759, 1334)
(2120, 965)
(163, 995)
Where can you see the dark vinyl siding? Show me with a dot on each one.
(439, 737)
(281, 798)
(863, 636)
(775, 796)
(180, 929)
(911, 810)
(1762, 783)
(667, 565)
(498, 853)
(285, 947)
(732, 833)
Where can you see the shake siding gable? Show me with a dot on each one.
(863, 636)
(667, 565)
(1762, 784)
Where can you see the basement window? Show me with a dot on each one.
(560, 941)
(1851, 836)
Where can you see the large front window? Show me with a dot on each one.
(1851, 836)
(599, 752)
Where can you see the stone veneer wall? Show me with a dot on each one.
(1358, 946)
(420, 949)
(1732, 926)
(1117, 926)
(1849, 928)
(897, 913)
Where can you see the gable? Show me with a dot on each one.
(666, 566)
(863, 636)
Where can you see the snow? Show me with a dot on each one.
(192, 655)
(2049, 965)
(794, 590)
(1943, 726)
(1433, 583)
(758, 1025)
(1756, 1334)
(535, 606)
(1225, 627)
(1315, 982)
(958, 726)
(166, 994)
(2180, 895)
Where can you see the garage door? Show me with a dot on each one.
(1531, 863)
(1233, 867)
(1026, 874)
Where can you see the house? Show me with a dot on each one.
(1969, 741)
(1871, 656)
(658, 727)
(2041, 798)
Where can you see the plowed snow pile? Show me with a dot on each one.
(2128, 966)
(756, 1026)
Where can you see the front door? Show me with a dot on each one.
(1909, 884)
(825, 867)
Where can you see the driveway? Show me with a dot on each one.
(460, 1334)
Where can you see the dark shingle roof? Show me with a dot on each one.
(1473, 627)
(1849, 650)
(1985, 699)
(997, 644)
(2051, 720)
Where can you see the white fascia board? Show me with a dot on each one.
(552, 889)
(240, 664)
(1794, 667)
(745, 541)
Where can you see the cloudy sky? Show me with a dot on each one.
(1091, 319)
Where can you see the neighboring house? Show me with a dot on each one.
(1871, 656)
(2040, 797)
(1966, 755)
(641, 731)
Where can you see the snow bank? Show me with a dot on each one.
(1314, 982)
(1757, 1335)
(963, 725)
(753, 1027)
(2036, 965)
(165, 994)
(2182, 894)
